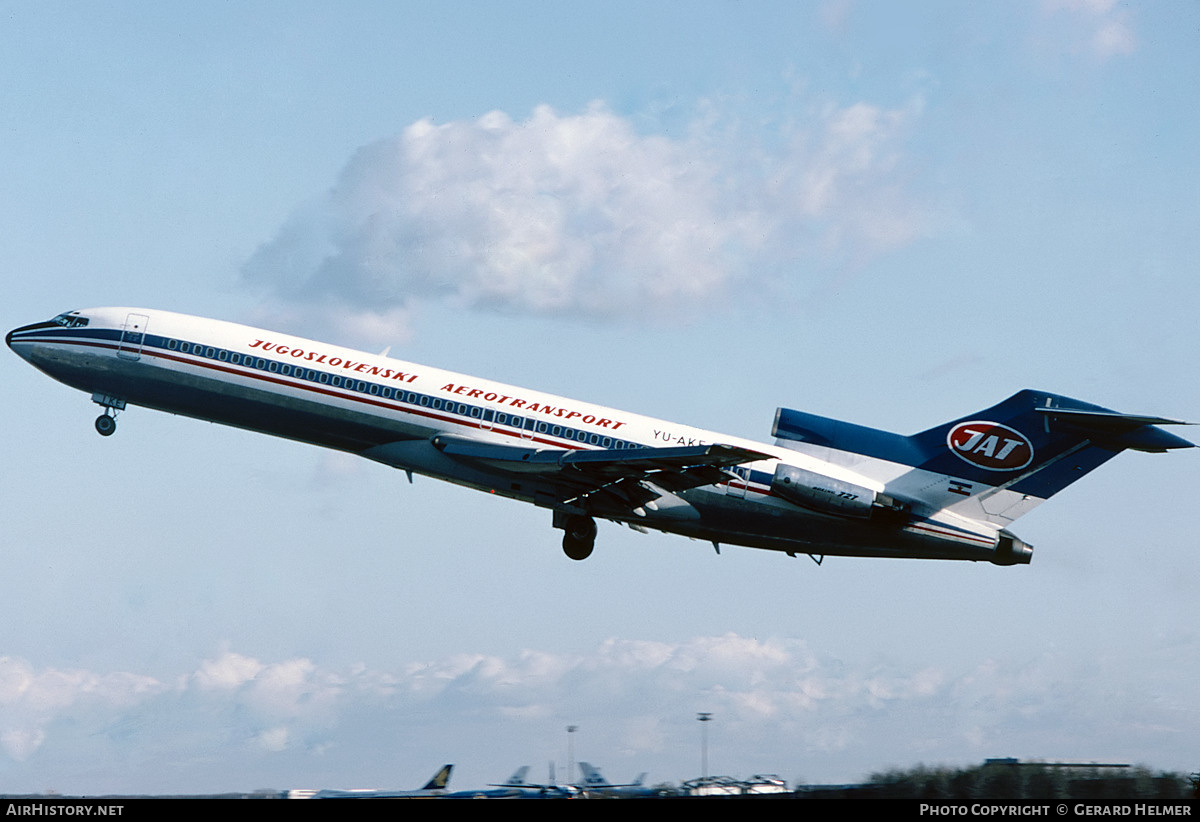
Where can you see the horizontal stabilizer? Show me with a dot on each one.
(1132, 431)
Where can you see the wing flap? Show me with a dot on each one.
(617, 473)
(605, 459)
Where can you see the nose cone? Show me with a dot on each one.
(13, 338)
(8, 338)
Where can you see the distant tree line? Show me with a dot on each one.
(1009, 779)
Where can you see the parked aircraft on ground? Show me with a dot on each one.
(434, 787)
(824, 487)
(594, 784)
(517, 788)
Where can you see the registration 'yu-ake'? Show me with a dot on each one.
(824, 487)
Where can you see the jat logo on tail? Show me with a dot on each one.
(990, 445)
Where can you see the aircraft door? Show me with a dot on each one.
(133, 336)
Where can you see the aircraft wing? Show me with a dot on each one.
(620, 475)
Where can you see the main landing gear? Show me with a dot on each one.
(106, 423)
(579, 536)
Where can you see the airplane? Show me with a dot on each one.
(434, 787)
(594, 784)
(517, 779)
(532, 790)
(823, 488)
(515, 787)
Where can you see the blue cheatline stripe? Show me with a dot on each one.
(353, 389)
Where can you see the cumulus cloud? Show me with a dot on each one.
(778, 703)
(1099, 27)
(584, 215)
(30, 699)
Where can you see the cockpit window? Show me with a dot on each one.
(70, 319)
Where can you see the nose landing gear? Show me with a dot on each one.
(106, 423)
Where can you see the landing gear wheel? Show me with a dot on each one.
(577, 549)
(105, 425)
(579, 537)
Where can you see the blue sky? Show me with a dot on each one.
(887, 213)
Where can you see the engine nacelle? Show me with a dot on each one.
(832, 496)
(1012, 551)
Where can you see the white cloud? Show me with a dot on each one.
(1113, 36)
(1100, 27)
(227, 671)
(582, 214)
(19, 743)
(776, 703)
(31, 699)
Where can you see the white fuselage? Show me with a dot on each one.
(391, 411)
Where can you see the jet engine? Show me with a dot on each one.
(832, 496)
(1011, 550)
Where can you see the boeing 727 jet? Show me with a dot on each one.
(824, 487)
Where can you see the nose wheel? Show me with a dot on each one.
(106, 425)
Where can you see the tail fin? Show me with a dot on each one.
(591, 776)
(440, 779)
(1036, 443)
(1032, 444)
(518, 777)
